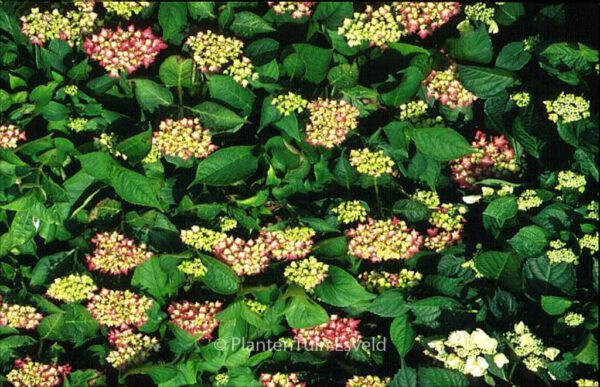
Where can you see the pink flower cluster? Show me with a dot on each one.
(422, 18)
(27, 373)
(10, 135)
(115, 254)
(183, 138)
(118, 308)
(289, 244)
(296, 9)
(245, 257)
(445, 87)
(196, 318)
(492, 158)
(281, 380)
(123, 50)
(339, 334)
(448, 222)
(382, 240)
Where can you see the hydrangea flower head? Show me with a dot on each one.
(330, 122)
(184, 138)
(27, 372)
(350, 211)
(383, 240)
(296, 9)
(307, 273)
(123, 50)
(196, 318)
(280, 379)
(125, 9)
(423, 18)
(339, 334)
(72, 288)
(445, 87)
(117, 308)
(245, 257)
(289, 243)
(10, 135)
(116, 254)
(19, 316)
(372, 163)
(130, 348)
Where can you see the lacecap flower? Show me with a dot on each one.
(289, 243)
(445, 87)
(19, 316)
(117, 308)
(201, 238)
(530, 348)
(193, 267)
(27, 373)
(116, 254)
(568, 108)
(374, 164)
(378, 27)
(330, 122)
(184, 138)
(125, 9)
(72, 288)
(383, 280)
(130, 348)
(212, 52)
(289, 103)
(307, 273)
(245, 257)
(350, 212)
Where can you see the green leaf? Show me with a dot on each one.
(388, 304)
(408, 49)
(332, 13)
(136, 147)
(441, 144)
(302, 312)
(588, 352)
(405, 377)
(50, 267)
(485, 82)
(134, 188)
(555, 306)
(499, 213)
(219, 277)
(225, 89)
(201, 10)
(513, 57)
(247, 24)
(315, 61)
(545, 278)
(218, 118)
(405, 90)
(14, 346)
(491, 263)
(402, 334)
(508, 13)
(529, 241)
(172, 17)
(343, 76)
(151, 95)
(227, 166)
(176, 71)
(75, 324)
(330, 248)
(474, 46)
(411, 210)
(341, 289)
(440, 377)
(158, 276)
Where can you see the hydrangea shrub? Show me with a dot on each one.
(298, 194)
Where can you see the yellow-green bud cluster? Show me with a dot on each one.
(590, 242)
(368, 381)
(41, 27)
(245, 257)
(559, 253)
(570, 181)
(256, 306)
(115, 308)
(10, 135)
(330, 122)
(201, 238)
(593, 212)
(573, 319)
(183, 138)
(448, 217)
(377, 27)
(374, 164)
(290, 243)
(28, 373)
(530, 348)
(383, 280)
(428, 198)
(242, 71)
(125, 8)
(289, 103)
(130, 348)
(77, 124)
(221, 379)
(413, 110)
(350, 212)
(106, 143)
(480, 12)
(71, 90)
(193, 267)
(19, 316)
(568, 108)
(470, 264)
(227, 223)
(383, 240)
(521, 99)
(587, 383)
(466, 352)
(212, 51)
(530, 43)
(72, 288)
(281, 380)
(529, 199)
(307, 273)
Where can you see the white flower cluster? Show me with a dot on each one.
(530, 348)
(469, 353)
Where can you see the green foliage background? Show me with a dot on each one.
(57, 190)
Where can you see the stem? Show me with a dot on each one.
(180, 97)
(378, 199)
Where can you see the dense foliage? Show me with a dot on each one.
(298, 194)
